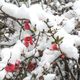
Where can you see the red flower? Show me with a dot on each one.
(10, 67)
(31, 66)
(27, 25)
(54, 47)
(62, 56)
(28, 40)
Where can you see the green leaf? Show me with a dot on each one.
(58, 40)
(61, 39)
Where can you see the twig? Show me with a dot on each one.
(66, 65)
(60, 71)
(37, 40)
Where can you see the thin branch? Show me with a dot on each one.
(37, 40)
(60, 71)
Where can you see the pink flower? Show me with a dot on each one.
(10, 67)
(54, 46)
(62, 56)
(27, 25)
(28, 40)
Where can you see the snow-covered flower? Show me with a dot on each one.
(27, 25)
(31, 66)
(28, 40)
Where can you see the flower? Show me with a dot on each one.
(10, 67)
(31, 66)
(27, 25)
(62, 56)
(54, 46)
(28, 40)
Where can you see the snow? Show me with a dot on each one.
(2, 74)
(30, 53)
(76, 4)
(41, 26)
(49, 56)
(38, 71)
(76, 7)
(70, 50)
(70, 14)
(27, 78)
(69, 25)
(1, 2)
(11, 8)
(14, 53)
(37, 16)
(5, 51)
(49, 76)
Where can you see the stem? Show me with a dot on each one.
(37, 40)
(60, 71)
(53, 37)
(68, 69)
(20, 33)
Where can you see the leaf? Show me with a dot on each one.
(57, 39)
(35, 29)
(61, 39)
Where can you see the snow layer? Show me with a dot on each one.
(13, 53)
(49, 76)
(37, 16)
